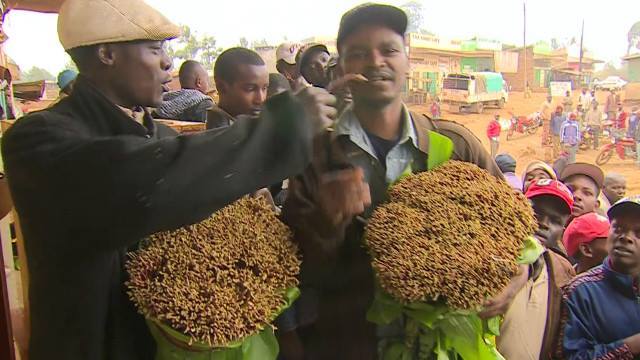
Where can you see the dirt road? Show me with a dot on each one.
(525, 148)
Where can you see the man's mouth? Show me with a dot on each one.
(165, 86)
(541, 236)
(622, 251)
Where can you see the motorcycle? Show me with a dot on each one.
(587, 138)
(524, 124)
(624, 147)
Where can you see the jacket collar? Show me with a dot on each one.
(91, 105)
(416, 128)
(624, 283)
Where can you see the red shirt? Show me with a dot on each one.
(493, 130)
(621, 122)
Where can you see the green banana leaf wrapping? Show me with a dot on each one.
(440, 332)
(174, 345)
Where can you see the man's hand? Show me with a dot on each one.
(500, 303)
(319, 106)
(340, 83)
(342, 195)
(633, 342)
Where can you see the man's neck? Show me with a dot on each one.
(384, 122)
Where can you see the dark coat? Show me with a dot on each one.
(89, 182)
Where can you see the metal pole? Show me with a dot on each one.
(524, 43)
(581, 54)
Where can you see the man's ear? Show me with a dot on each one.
(106, 54)
(585, 250)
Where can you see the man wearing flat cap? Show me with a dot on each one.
(93, 175)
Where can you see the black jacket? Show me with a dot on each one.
(88, 183)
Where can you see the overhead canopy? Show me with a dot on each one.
(45, 6)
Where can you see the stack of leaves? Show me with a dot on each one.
(220, 280)
(452, 235)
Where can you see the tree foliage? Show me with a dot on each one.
(192, 46)
(37, 73)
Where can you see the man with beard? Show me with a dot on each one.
(373, 143)
(90, 177)
(601, 307)
(242, 81)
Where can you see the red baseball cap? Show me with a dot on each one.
(583, 230)
(553, 188)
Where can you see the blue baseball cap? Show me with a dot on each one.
(65, 78)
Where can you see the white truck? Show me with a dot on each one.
(474, 91)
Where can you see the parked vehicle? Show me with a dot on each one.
(610, 83)
(624, 147)
(587, 138)
(474, 91)
(524, 125)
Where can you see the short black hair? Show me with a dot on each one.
(187, 71)
(225, 67)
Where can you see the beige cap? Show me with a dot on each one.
(287, 52)
(90, 22)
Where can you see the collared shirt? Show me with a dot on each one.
(593, 117)
(399, 157)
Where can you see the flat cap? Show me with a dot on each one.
(91, 22)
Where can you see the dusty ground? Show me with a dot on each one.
(526, 148)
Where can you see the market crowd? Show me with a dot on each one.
(322, 139)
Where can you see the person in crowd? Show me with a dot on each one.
(313, 62)
(585, 99)
(507, 165)
(610, 105)
(634, 117)
(585, 182)
(545, 117)
(636, 137)
(614, 188)
(109, 178)
(286, 65)
(557, 119)
(570, 137)
(66, 79)
(532, 323)
(593, 119)
(600, 308)
(191, 102)
(535, 171)
(435, 108)
(620, 124)
(277, 85)
(585, 240)
(560, 163)
(242, 80)
(493, 133)
(373, 143)
(567, 103)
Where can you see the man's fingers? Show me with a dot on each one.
(342, 82)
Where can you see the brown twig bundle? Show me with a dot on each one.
(453, 233)
(220, 280)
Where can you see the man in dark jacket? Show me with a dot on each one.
(372, 144)
(90, 177)
(191, 102)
